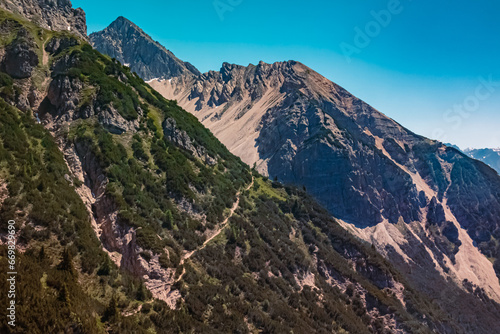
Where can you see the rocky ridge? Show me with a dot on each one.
(296, 125)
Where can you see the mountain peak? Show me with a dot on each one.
(122, 21)
(262, 65)
(128, 43)
(122, 18)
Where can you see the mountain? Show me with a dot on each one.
(127, 43)
(489, 156)
(368, 170)
(131, 217)
(430, 209)
(453, 146)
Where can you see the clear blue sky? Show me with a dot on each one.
(421, 65)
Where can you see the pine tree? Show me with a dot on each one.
(169, 219)
(67, 262)
(105, 269)
(112, 310)
(41, 254)
(64, 294)
(142, 294)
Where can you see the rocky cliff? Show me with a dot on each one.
(127, 43)
(57, 15)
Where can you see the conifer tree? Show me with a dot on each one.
(67, 262)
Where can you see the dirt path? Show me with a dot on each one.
(223, 225)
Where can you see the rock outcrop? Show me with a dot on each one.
(20, 56)
(126, 42)
(182, 139)
(58, 15)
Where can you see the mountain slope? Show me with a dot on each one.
(111, 186)
(126, 42)
(365, 168)
(428, 208)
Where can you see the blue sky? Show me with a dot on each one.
(430, 65)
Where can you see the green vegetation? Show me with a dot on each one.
(148, 183)
(57, 233)
(35, 172)
(7, 88)
(271, 242)
(96, 70)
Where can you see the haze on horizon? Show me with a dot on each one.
(432, 67)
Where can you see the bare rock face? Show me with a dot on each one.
(56, 45)
(111, 119)
(50, 14)
(20, 56)
(63, 94)
(126, 42)
(181, 139)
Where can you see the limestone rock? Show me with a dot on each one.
(127, 43)
(20, 56)
(56, 15)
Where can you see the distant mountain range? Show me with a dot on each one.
(489, 156)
